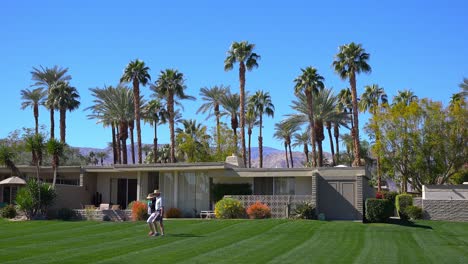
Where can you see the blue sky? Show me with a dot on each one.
(417, 45)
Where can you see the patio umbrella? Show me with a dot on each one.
(14, 180)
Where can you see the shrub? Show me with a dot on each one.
(402, 201)
(66, 214)
(259, 211)
(379, 195)
(173, 213)
(139, 211)
(378, 210)
(229, 208)
(414, 212)
(28, 200)
(304, 210)
(9, 211)
(219, 190)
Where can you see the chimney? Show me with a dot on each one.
(234, 161)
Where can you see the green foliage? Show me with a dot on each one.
(66, 214)
(378, 210)
(9, 211)
(229, 208)
(459, 177)
(402, 202)
(221, 189)
(414, 212)
(35, 198)
(304, 210)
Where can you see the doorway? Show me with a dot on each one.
(126, 192)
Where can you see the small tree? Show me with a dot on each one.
(27, 202)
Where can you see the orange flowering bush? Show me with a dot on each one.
(139, 211)
(173, 213)
(259, 211)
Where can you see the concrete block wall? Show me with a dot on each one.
(449, 210)
(99, 215)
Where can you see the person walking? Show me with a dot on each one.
(156, 212)
(151, 212)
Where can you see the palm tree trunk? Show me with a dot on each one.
(286, 153)
(52, 123)
(336, 133)
(114, 146)
(242, 108)
(119, 153)
(63, 117)
(170, 108)
(218, 130)
(260, 141)
(155, 142)
(136, 95)
(123, 138)
(290, 155)
(355, 133)
(234, 131)
(36, 117)
(54, 166)
(331, 143)
(132, 142)
(311, 124)
(306, 153)
(319, 136)
(250, 149)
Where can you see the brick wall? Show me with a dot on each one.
(451, 210)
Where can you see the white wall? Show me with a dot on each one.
(445, 192)
(303, 186)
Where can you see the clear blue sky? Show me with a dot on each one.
(417, 45)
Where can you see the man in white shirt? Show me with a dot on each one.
(157, 215)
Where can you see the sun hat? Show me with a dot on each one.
(156, 192)
(150, 196)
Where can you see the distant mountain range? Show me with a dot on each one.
(272, 158)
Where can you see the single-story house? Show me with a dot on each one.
(338, 193)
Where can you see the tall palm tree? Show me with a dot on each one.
(302, 139)
(250, 121)
(55, 148)
(230, 103)
(63, 97)
(406, 97)
(137, 73)
(310, 83)
(193, 141)
(261, 103)
(284, 131)
(212, 97)
(155, 113)
(350, 61)
(33, 99)
(372, 98)
(242, 52)
(171, 86)
(47, 78)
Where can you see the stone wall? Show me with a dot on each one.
(281, 205)
(450, 210)
(104, 215)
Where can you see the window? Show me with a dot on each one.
(284, 186)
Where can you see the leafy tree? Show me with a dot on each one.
(310, 83)
(47, 78)
(350, 61)
(63, 97)
(405, 97)
(33, 99)
(171, 86)
(261, 104)
(242, 53)
(137, 73)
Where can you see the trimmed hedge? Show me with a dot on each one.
(402, 202)
(414, 212)
(378, 210)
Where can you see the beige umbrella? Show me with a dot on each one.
(14, 180)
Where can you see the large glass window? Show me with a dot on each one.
(284, 185)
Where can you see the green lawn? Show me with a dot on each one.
(233, 241)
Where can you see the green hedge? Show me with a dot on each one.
(414, 212)
(402, 201)
(221, 189)
(378, 210)
(229, 208)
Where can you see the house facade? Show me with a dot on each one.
(338, 193)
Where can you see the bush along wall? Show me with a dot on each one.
(402, 201)
(378, 210)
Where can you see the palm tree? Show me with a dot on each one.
(35, 144)
(406, 97)
(351, 60)
(310, 83)
(137, 73)
(33, 99)
(55, 148)
(212, 97)
(230, 103)
(63, 97)
(155, 113)
(464, 87)
(344, 105)
(193, 141)
(261, 103)
(47, 78)
(302, 140)
(371, 99)
(250, 121)
(284, 131)
(170, 86)
(7, 157)
(101, 156)
(242, 52)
